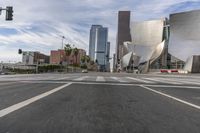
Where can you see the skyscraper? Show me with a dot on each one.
(98, 45)
(123, 34)
(93, 40)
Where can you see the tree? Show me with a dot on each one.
(83, 59)
(76, 52)
(68, 51)
(87, 58)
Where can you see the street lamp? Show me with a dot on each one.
(63, 37)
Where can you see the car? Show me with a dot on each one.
(84, 71)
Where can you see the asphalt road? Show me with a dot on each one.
(56, 104)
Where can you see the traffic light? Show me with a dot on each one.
(20, 51)
(9, 13)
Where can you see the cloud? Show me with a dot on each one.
(38, 25)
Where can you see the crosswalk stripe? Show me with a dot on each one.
(100, 78)
(118, 79)
(140, 80)
(188, 82)
(162, 81)
(81, 78)
(63, 78)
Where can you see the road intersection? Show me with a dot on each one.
(99, 102)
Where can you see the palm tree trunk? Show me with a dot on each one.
(67, 62)
(76, 63)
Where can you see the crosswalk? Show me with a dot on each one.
(100, 79)
(118, 79)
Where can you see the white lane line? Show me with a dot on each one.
(176, 81)
(81, 78)
(20, 105)
(169, 96)
(99, 83)
(63, 78)
(100, 79)
(9, 83)
(175, 86)
(163, 81)
(188, 82)
(119, 79)
(140, 80)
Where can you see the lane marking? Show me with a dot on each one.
(174, 86)
(20, 105)
(100, 79)
(171, 97)
(81, 78)
(170, 80)
(110, 83)
(162, 81)
(62, 78)
(140, 80)
(119, 79)
(8, 83)
(189, 82)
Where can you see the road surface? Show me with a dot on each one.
(99, 103)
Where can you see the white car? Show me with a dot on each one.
(84, 71)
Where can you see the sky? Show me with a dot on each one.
(39, 25)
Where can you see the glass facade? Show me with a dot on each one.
(93, 40)
(100, 45)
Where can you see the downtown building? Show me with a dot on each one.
(59, 57)
(99, 47)
(172, 43)
(123, 35)
(33, 58)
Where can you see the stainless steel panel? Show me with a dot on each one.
(149, 33)
(185, 34)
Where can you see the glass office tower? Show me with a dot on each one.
(98, 45)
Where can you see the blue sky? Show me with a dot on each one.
(39, 24)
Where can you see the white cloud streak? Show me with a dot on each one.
(40, 23)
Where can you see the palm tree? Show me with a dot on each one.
(87, 58)
(76, 52)
(68, 51)
(83, 59)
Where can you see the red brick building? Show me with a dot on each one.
(58, 56)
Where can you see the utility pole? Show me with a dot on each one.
(63, 37)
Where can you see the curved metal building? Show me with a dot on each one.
(185, 34)
(148, 43)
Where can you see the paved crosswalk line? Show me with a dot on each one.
(81, 78)
(118, 79)
(175, 81)
(188, 81)
(100, 78)
(63, 78)
(162, 81)
(140, 80)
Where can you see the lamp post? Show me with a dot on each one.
(63, 37)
